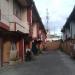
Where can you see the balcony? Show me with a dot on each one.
(18, 25)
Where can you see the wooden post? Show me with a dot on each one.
(1, 53)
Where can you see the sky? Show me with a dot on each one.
(58, 12)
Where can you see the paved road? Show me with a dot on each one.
(52, 63)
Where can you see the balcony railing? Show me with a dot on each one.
(18, 25)
(24, 27)
(14, 23)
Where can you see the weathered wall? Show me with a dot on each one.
(34, 35)
(66, 46)
(6, 51)
(54, 45)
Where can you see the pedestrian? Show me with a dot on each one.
(34, 48)
(28, 54)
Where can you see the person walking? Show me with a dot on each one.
(34, 47)
(28, 54)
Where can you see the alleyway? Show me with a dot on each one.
(54, 63)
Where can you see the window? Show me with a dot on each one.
(16, 9)
(13, 46)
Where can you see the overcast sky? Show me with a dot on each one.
(59, 11)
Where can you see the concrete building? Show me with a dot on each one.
(68, 29)
(68, 32)
(20, 23)
(14, 29)
(37, 30)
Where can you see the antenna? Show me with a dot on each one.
(54, 29)
(47, 20)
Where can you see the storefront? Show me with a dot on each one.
(10, 46)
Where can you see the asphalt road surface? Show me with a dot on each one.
(48, 63)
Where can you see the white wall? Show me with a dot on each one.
(72, 29)
(11, 18)
(6, 11)
(21, 24)
(34, 35)
(63, 36)
(4, 5)
(24, 15)
(66, 33)
(70, 33)
(24, 19)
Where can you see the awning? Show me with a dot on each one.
(27, 39)
(15, 35)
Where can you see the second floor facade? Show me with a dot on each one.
(14, 15)
(21, 15)
(68, 30)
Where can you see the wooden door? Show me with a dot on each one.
(6, 51)
(21, 49)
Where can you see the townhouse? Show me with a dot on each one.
(14, 29)
(68, 32)
(39, 32)
(20, 24)
(68, 29)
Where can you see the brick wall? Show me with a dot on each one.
(66, 46)
(54, 45)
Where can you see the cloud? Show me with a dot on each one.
(59, 11)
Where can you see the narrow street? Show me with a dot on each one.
(53, 63)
